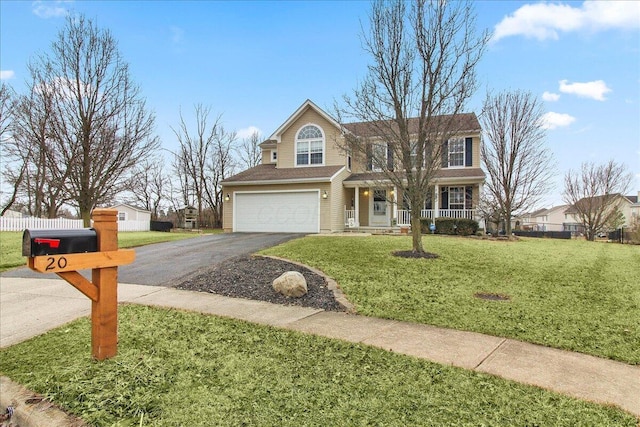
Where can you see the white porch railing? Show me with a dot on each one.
(349, 217)
(404, 216)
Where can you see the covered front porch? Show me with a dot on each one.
(380, 206)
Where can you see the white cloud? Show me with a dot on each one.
(553, 120)
(7, 74)
(546, 20)
(49, 9)
(551, 97)
(247, 132)
(594, 90)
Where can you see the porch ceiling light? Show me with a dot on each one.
(227, 197)
(325, 195)
(366, 192)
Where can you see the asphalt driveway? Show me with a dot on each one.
(164, 263)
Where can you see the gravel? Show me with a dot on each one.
(252, 277)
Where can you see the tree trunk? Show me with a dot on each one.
(416, 233)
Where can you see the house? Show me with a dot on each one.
(627, 205)
(551, 219)
(527, 220)
(132, 213)
(634, 209)
(306, 183)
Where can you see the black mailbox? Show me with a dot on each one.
(55, 242)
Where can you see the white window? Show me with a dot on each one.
(379, 157)
(274, 156)
(456, 152)
(310, 146)
(456, 197)
(122, 216)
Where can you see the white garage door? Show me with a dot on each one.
(288, 212)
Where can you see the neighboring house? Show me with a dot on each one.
(307, 184)
(132, 213)
(635, 208)
(627, 205)
(527, 220)
(551, 219)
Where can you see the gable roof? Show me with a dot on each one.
(135, 208)
(596, 201)
(275, 136)
(269, 174)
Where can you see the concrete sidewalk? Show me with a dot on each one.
(29, 307)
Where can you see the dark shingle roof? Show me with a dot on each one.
(268, 172)
(439, 174)
(463, 122)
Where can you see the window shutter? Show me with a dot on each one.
(369, 158)
(389, 157)
(468, 151)
(468, 197)
(444, 197)
(445, 154)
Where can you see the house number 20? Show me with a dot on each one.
(61, 263)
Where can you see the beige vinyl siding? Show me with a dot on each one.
(333, 156)
(476, 151)
(338, 199)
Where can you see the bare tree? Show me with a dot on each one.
(150, 186)
(203, 161)
(221, 166)
(249, 151)
(11, 175)
(594, 194)
(423, 72)
(100, 124)
(40, 175)
(514, 153)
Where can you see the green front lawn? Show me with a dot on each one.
(185, 369)
(576, 295)
(11, 244)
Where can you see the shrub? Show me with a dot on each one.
(456, 226)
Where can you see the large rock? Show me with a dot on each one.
(291, 284)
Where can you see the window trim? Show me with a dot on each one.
(308, 141)
(383, 146)
(462, 141)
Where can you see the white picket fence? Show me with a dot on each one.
(20, 224)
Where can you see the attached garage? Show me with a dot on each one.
(277, 212)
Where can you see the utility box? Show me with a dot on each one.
(56, 242)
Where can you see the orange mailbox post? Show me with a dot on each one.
(65, 251)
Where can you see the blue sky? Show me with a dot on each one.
(256, 62)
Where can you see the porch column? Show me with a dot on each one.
(395, 205)
(357, 206)
(436, 201)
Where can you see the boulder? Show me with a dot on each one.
(291, 284)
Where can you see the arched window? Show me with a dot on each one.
(310, 146)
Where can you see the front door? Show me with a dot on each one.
(379, 212)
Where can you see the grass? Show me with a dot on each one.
(575, 295)
(185, 369)
(11, 244)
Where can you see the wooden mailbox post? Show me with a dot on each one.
(103, 287)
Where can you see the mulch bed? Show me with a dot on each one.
(412, 254)
(252, 277)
